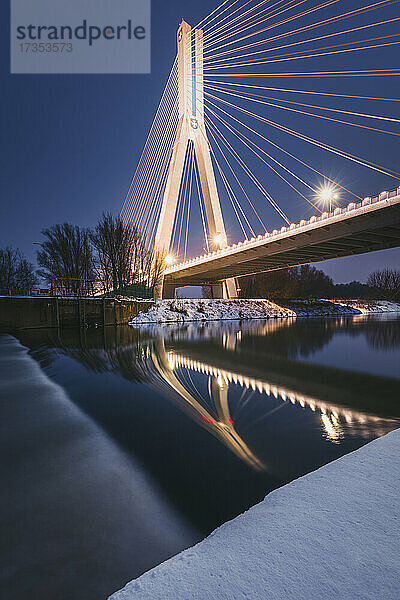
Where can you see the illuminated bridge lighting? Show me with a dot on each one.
(330, 414)
(314, 222)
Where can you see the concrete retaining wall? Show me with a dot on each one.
(32, 313)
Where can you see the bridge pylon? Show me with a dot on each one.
(191, 127)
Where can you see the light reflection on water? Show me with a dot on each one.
(217, 371)
(219, 414)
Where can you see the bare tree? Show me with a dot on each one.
(386, 283)
(296, 282)
(123, 256)
(25, 275)
(16, 272)
(66, 255)
(312, 282)
(7, 272)
(119, 249)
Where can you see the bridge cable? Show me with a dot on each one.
(241, 136)
(249, 96)
(305, 27)
(311, 140)
(280, 107)
(325, 177)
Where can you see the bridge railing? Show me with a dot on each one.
(385, 195)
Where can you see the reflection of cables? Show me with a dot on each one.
(243, 402)
(268, 414)
(185, 379)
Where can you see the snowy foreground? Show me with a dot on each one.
(333, 533)
(180, 310)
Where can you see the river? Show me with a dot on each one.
(154, 436)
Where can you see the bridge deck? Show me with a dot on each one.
(365, 226)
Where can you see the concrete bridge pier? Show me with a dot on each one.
(224, 289)
(217, 290)
(164, 290)
(168, 291)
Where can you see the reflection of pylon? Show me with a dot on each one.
(191, 127)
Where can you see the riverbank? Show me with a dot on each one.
(181, 310)
(188, 310)
(330, 534)
(28, 312)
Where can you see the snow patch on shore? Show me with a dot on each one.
(191, 310)
(180, 311)
(368, 307)
(330, 534)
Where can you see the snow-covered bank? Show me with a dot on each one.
(368, 307)
(333, 533)
(331, 308)
(185, 310)
(170, 311)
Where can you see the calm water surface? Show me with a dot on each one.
(167, 432)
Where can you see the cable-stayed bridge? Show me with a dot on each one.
(365, 226)
(225, 134)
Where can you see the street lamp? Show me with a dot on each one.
(219, 240)
(327, 195)
(169, 260)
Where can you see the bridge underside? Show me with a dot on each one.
(376, 230)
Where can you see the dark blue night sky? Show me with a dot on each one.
(70, 144)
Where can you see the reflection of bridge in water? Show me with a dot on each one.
(353, 413)
(204, 368)
(332, 416)
(217, 421)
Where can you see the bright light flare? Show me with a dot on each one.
(169, 260)
(219, 239)
(327, 195)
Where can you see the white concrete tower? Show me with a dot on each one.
(191, 126)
